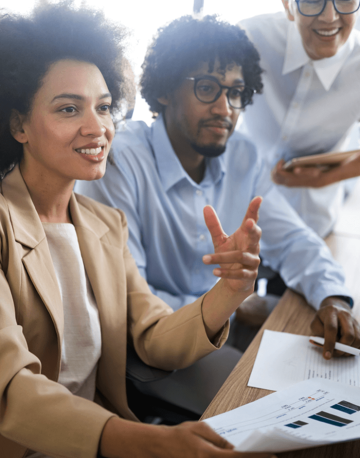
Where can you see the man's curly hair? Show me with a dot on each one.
(29, 45)
(184, 44)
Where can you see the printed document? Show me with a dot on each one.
(310, 413)
(284, 359)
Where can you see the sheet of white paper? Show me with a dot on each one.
(284, 359)
(310, 413)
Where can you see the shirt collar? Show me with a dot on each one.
(326, 69)
(169, 167)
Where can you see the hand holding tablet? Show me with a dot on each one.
(321, 160)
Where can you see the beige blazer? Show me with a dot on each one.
(36, 412)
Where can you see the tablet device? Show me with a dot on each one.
(321, 160)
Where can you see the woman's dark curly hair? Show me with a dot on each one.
(184, 44)
(29, 45)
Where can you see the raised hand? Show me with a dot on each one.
(237, 254)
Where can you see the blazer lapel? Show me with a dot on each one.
(103, 262)
(29, 232)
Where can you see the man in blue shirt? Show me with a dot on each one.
(198, 75)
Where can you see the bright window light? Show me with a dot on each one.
(142, 18)
(235, 10)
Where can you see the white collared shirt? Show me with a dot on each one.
(307, 107)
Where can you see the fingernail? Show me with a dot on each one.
(217, 272)
(328, 355)
(207, 259)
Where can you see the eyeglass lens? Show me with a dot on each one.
(209, 90)
(315, 7)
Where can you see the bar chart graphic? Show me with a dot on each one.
(311, 413)
(296, 424)
(331, 419)
(346, 407)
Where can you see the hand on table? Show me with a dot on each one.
(237, 254)
(335, 322)
(303, 177)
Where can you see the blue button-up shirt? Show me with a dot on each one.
(167, 232)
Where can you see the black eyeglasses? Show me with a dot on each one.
(207, 89)
(316, 7)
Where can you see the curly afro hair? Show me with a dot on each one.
(29, 45)
(184, 44)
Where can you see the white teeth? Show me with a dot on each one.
(90, 152)
(327, 33)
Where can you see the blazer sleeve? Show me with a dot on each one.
(163, 338)
(36, 412)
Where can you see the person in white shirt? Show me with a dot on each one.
(311, 101)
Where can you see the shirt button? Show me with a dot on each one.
(295, 105)
(199, 192)
(202, 237)
(307, 74)
(284, 138)
(196, 271)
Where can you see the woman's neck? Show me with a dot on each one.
(50, 194)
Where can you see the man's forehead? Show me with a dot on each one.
(231, 71)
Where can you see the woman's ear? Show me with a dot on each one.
(289, 9)
(16, 126)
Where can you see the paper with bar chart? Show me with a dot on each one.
(284, 359)
(310, 413)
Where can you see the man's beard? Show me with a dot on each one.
(209, 150)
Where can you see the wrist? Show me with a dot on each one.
(337, 301)
(123, 438)
(219, 304)
(345, 171)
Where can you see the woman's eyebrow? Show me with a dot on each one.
(77, 97)
(104, 96)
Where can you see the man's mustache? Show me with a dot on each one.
(216, 122)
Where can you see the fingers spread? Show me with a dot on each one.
(213, 224)
(253, 210)
(236, 274)
(254, 234)
(233, 257)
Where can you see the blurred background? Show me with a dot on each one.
(142, 18)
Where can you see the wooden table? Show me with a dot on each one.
(294, 315)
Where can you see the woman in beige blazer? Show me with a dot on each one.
(59, 85)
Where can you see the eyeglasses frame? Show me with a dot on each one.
(222, 87)
(323, 9)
